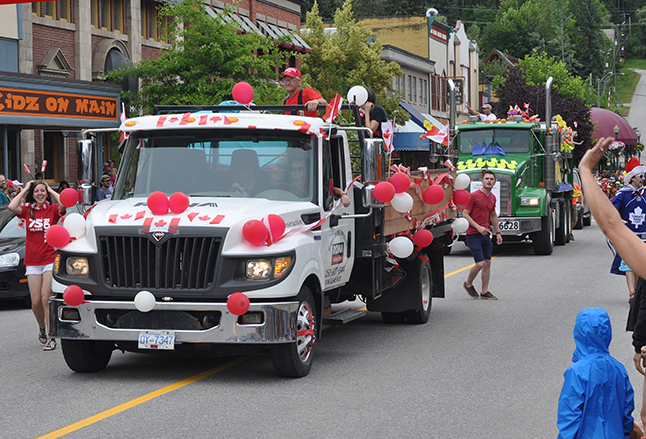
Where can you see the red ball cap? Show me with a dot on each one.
(292, 72)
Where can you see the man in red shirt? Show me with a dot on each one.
(301, 96)
(480, 211)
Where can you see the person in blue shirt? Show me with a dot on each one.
(104, 190)
(597, 399)
(3, 184)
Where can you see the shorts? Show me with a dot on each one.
(38, 269)
(623, 267)
(480, 245)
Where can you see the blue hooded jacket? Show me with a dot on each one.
(597, 399)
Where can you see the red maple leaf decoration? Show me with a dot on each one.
(126, 216)
(215, 119)
(204, 218)
(173, 120)
(160, 223)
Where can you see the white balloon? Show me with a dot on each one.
(460, 225)
(401, 247)
(75, 225)
(358, 95)
(462, 181)
(402, 203)
(144, 301)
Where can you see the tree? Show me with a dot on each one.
(206, 58)
(588, 37)
(515, 89)
(347, 57)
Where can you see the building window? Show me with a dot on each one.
(35, 9)
(65, 10)
(403, 85)
(104, 16)
(49, 9)
(94, 12)
(118, 15)
(421, 92)
(410, 87)
(414, 90)
(425, 92)
(151, 28)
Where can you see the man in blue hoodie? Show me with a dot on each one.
(597, 399)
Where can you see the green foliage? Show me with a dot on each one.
(345, 58)
(588, 36)
(203, 63)
(538, 67)
(491, 69)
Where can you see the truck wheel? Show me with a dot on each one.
(587, 220)
(543, 241)
(579, 220)
(294, 360)
(86, 355)
(561, 230)
(423, 286)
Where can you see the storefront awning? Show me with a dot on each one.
(406, 138)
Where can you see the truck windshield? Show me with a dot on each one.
(276, 165)
(510, 140)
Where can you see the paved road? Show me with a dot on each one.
(637, 115)
(486, 369)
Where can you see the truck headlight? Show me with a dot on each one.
(264, 269)
(77, 266)
(9, 260)
(530, 201)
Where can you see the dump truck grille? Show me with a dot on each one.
(505, 191)
(179, 263)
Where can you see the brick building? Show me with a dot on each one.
(53, 55)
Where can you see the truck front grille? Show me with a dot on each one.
(505, 191)
(179, 263)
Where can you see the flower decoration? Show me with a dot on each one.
(639, 147)
(617, 146)
(567, 134)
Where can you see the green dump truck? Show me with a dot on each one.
(534, 175)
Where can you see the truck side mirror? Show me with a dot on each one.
(373, 169)
(85, 154)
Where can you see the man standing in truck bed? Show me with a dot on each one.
(301, 96)
(480, 211)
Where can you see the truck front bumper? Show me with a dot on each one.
(192, 322)
(519, 225)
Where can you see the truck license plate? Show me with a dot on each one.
(164, 340)
(510, 226)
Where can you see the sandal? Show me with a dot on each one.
(51, 345)
(42, 336)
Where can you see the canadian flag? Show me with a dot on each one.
(43, 166)
(160, 225)
(438, 136)
(333, 109)
(387, 134)
(122, 118)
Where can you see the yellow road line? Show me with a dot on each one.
(469, 266)
(135, 402)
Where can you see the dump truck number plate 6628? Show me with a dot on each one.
(163, 340)
(513, 226)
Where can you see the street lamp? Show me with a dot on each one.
(616, 130)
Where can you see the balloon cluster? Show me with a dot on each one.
(159, 203)
(256, 233)
(403, 247)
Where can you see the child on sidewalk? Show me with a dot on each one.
(597, 399)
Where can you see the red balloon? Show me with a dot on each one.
(433, 194)
(255, 232)
(242, 93)
(73, 295)
(158, 203)
(238, 303)
(401, 182)
(423, 238)
(276, 225)
(178, 202)
(461, 197)
(69, 197)
(384, 192)
(57, 236)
